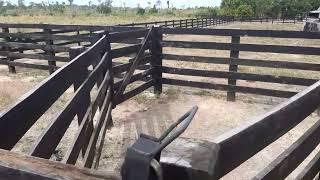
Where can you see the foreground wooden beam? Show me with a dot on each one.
(16, 166)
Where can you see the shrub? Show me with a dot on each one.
(105, 7)
(141, 11)
(153, 10)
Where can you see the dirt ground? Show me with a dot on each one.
(148, 114)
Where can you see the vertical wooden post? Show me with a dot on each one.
(12, 69)
(78, 34)
(49, 42)
(73, 53)
(180, 23)
(192, 22)
(165, 23)
(156, 59)
(231, 94)
(172, 23)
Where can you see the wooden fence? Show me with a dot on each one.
(235, 47)
(46, 42)
(146, 70)
(283, 20)
(185, 23)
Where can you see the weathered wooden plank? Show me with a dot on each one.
(35, 46)
(241, 76)
(51, 136)
(239, 144)
(135, 63)
(117, 69)
(290, 159)
(15, 166)
(45, 37)
(119, 36)
(136, 77)
(105, 111)
(17, 119)
(27, 65)
(223, 87)
(33, 56)
(124, 51)
(78, 142)
(240, 32)
(244, 47)
(311, 170)
(245, 62)
(69, 27)
(134, 92)
(231, 95)
(156, 59)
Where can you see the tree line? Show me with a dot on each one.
(271, 8)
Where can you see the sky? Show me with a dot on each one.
(142, 3)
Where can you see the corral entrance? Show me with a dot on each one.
(203, 62)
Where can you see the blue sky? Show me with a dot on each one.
(143, 3)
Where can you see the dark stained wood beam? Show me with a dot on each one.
(14, 166)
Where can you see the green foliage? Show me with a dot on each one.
(105, 7)
(153, 10)
(141, 11)
(207, 12)
(245, 11)
(286, 8)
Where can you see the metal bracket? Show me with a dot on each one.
(142, 161)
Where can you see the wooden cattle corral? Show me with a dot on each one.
(145, 66)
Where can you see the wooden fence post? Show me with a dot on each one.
(156, 59)
(180, 23)
(74, 52)
(12, 69)
(51, 53)
(192, 22)
(231, 94)
(172, 23)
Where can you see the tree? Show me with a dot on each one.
(245, 11)
(105, 7)
(21, 3)
(70, 2)
(158, 3)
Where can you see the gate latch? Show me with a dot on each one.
(142, 161)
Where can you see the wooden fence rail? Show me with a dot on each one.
(234, 61)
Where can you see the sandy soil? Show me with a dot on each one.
(148, 114)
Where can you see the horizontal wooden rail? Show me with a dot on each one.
(245, 62)
(244, 47)
(290, 159)
(27, 65)
(240, 32)
(238, 145)
(34, 56)
(223, 87)
(135, 91)
(17, 166)
(242, 76)
(29, 107)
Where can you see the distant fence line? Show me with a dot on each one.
(52, 42)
